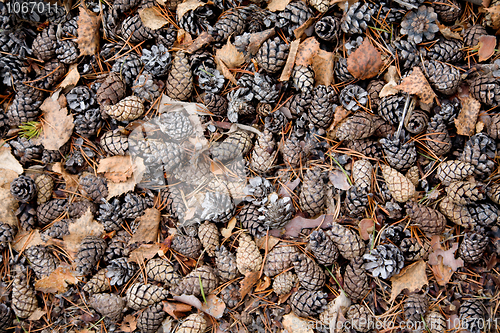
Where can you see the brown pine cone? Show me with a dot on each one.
(438, 137)
(279, 259)
(412, 249)
(457, 214)
(76, 209)
(194, 323)
(358, 126)
(445, 50)
(44, 186)
(95, 188)
(360, 318)
(362, 173)
(209, 237)
(186, 245)
(140, 295)
(367, 147)
(415, 307)
(356, 281)
(111, 90)
(323, 248)
(312, 193)
(307, 303)
(472, 34)
(226, 264)
(127, 109)
(452, 171)
(264, 153)
(413, 174)
(98, 283)
(284, 282)
(115, 142)
(348, 241)
(231, 295)
(7, 234)
(272, 55)
(41, 260)
(443, 78)
(236, 144)
(493, 192)
(471, 315)
(373, 89)
(5, 317)
(179, 84)
(486, 90)
(135, 31)
(216, 104)
(151, 319)
(249, 219)
(417, 122)
(110, 306)
(292, 151)
(436, 322)
(400, 187)
(190, 284)
(24, 301)
(465, 192)
(26, 214)
(89, 253)
(248, 257)
(309, 273)
(494, 127)
(161, 270)
(473, 246)
(427, 219)
(51, 210)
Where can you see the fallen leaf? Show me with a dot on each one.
(71, 78)
(442, 273)
(175, 309)
(271, 242)
(487, 46)
(70, 180)
(290, 61)
(467, 118)
(277, 5)
(201, 41)
(286, 190)
(129, 323)
(230, 56)
(248, 282)
(152, 17)
(57, 124)
(338, 179)
(221, 66)
(57, 282)
(392, 79)
(6, 177)
(39, 313)
(366, 228)
(186, 6)
(340, 114)
(147, 231)
(365, 62)
(298, 223)
(494, 12)
(300, 31)
(116, 168)
(256, 40)
(228, 231)
(443, 263)
(294, 324)
(8, 161)
(447, 33)
(412, 278)
(416, 84)
(25, 239)
(183, 40)
(335, 310)
(214, 307)
(144, 252)
(8, 207)
(117, 189)
(263, 284)
(88, 32)
(322, 64)
(305, 52)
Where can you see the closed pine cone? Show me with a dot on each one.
(89, 253)
(415, 307)
(128, 109)
(248, 257)
(44, 186)
(309, 273)
(187, 246)
(264, 152)
(226, 264)
(465, 192)
(98, 283)
(312, 194)
(356, 280)
(190, 284)
(140, 295)
(162, 271)
(457, 214)
(283, 283)
(194, 323)
(151, 319)
(323, 248)
(436, 322)
(362, 173)
(307, 303)
(400, 187)
(41, 260)
(24, 301)
(455, 170)
(209, 237)
(279, 259)
(348, 242)
(358, 126)
(179, 83)
(427, 219)
(108, 305)
(360, 317)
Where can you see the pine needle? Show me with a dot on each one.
(202, 291)
(31, 129)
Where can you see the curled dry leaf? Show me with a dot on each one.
(322, 64)
(8, 161)
(339, 179)
(257, 38)
(277, 5)
(298, 223)
(57, 123)
(295, 324)
(71, 78)
(340, 114)
(147, 231)
(129, 323)
(248, 282)
(201, 41)
(447, 33)
(186, 6)
(230, 56)
(116, 168)
(271, 242)
(183, 40)
(487, 46)
(366, 227)
(70, 180)
(416, 84)
(411, 278)
(88, 32)
(392, 79)
(214, 306)
(336, 310)
(300, 31)
(467, 118)
(263, 284)
(144, 252)
(176, 309)
(57, 282)
(152, 18)
(290, 61)
(365, 62)
(228, 231)
(305, 52)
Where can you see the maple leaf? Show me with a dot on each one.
(365, 62)
(411, 278)
(88, 32)
(467, 118)
(57, 281)
(416, 84)
(148, 227)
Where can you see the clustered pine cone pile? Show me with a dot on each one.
(278, 189)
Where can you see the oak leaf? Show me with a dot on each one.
(467, 118)
(129, 323)
(57, 282)
(88, 32)
(365, 62)
(412, 278)
(416, 84)
(443, 262)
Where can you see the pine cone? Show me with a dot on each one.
(128, 109)
(216, 104)
(156, 60)
(436, 322)
(420, 25)
(452, 171)
(273, 53)
(360, 318)
(147, 88)
(57, 229)
(98, 283)
(473, 246)
(309, 273)
(190, 284)
(283, 283)
(175, 124)
(480, 151)
(180, 79)
(293, 16)
(51, 210)
(114, 142)
(400, 153)
(25, 107)
(150, 320)
(263, 154)
(373, 89)
(5, 317)
(135, 31)
(187, 246)
(299, 103)
(472, 34)
(327, 28)
(356, 281)
(248, 257)
(52, 71)
(26, 214)
(141, 295)
(307, 303)
(412, 249)
(279, 259)
(217, 207)
(465, 192)
(44, 185)
(366, 147)
(291, 151)
(359, 126)
(95, 188)
(44, 45)
(384, 261)
(303, 78)
(276, 212)
(427, 219)
(415, 307)
(89, 253)
(162, 271)
(356, 18)
(239, 104)
(348, 242)
(494, 127)
(23, 189)
(445, 50)
(399, 186)
(197, 20)
(356, 200)
(231, 22)
(471, 315)
(41, 260)
(391, 108)
(485, 214)
(322, 108)
(226, 264)
(457, 214)
(417, 122)
(408, 54)
(323, 248)
(443, 78)
(236, 144)
(24, 301)
(194, 323)
(439, 140)
(120, 271)
(209, 237)
(353, 97)
(111, 90)
(110, 306)
(449, 11)
(67, 52)
(362, 173)
(312, 194)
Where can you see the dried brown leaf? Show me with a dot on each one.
(298, 223)
(8, 161)
(8, 207)
(116, 168)
(467, 118)
(340, 114)
(277, 5)
(129, 323)
(39, 313)
(263, 284)
(322, 64)
(295, 324)
(412, 278)
(71, 78)
(228, 231)
(144, 252)
(183, 40)
(392, 79)
(186, 6)
(88, 32)
(305, 52)
(221, 66)
(201, 41)
(152, 17)
(148, 227)
(416, 84)
(248, 282)
(271, 242)
(71, 180)
(57, 124)
(6, 177)
(176, 309)
(57, 282)
(447, 33)
(214, 306)
(443, 263)
(256, 39)
(300, 31)
(494, 12)
(365, 62)
(487, 45)
(25, 239)
(287, 70)
(366, 228)
(230, 55)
